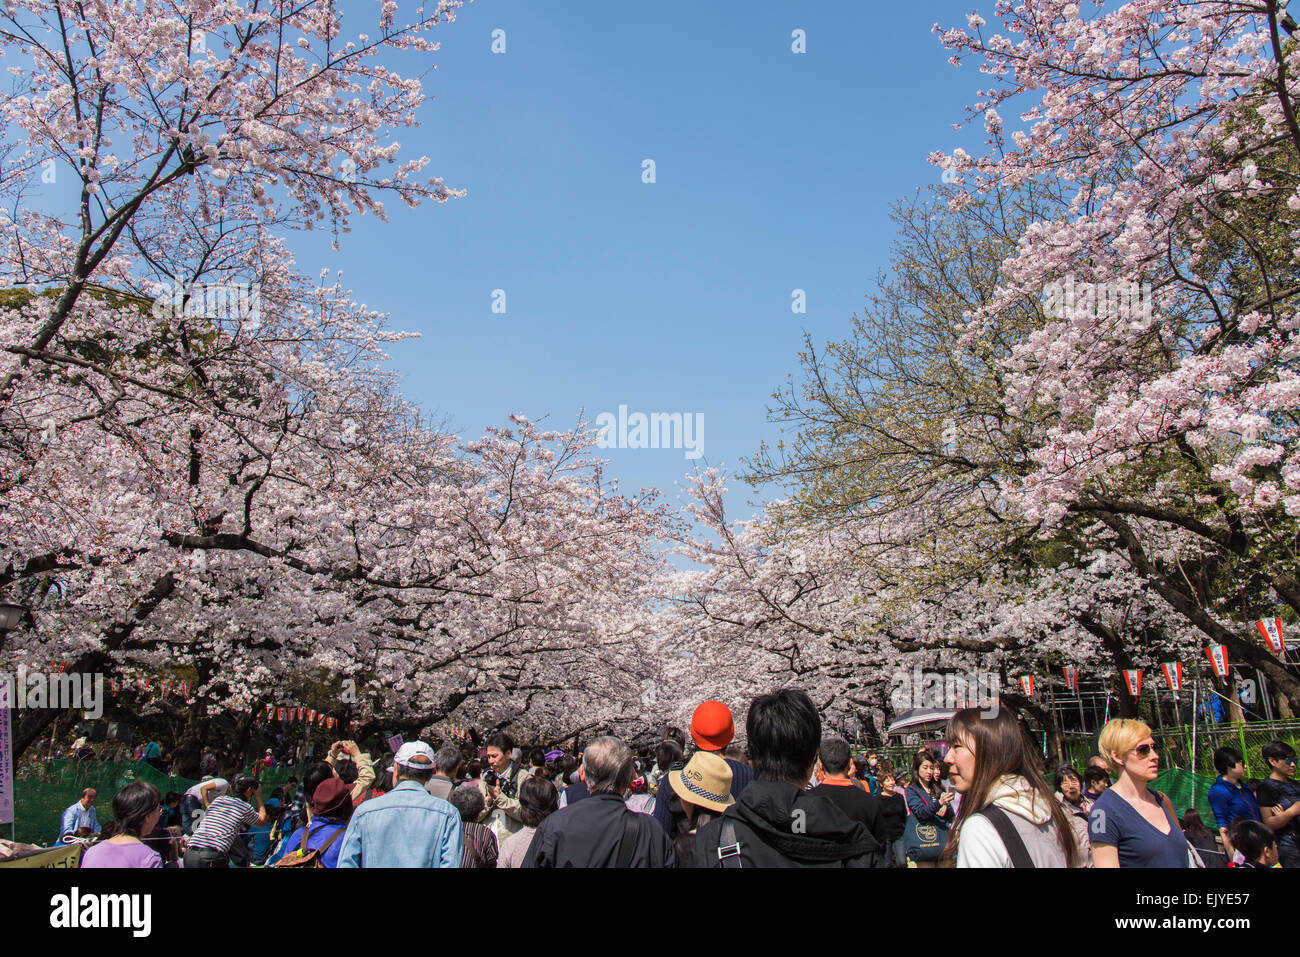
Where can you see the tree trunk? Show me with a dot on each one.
(32, 728)
(1234, 703)
(189, 746)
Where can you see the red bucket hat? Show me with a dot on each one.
(711, 726)
(331, 798)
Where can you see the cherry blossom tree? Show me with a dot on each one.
(1174, 126)
(208, 472)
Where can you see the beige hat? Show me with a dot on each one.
(706, 781)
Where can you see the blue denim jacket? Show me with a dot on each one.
(407, 827)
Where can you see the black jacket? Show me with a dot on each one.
(590, 834)
(780, 825)
(858, 804)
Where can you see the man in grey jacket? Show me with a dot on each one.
(448, 760)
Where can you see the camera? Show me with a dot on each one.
(494, 780)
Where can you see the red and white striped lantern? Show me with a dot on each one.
(1027, 684)
(1271, 629)
(1133, 679)
(1218, 655)
(1071, 677)
(1173, 671)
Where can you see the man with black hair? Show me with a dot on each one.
(1095, 781)
(1256, 843)
(1230, 800)
(837, 787)
(500, 786)
(775, 822)
(1279, 800)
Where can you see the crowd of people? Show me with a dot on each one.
(791, 798)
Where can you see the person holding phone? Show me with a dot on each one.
(926, 801)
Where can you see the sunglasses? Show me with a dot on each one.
(1142, 750)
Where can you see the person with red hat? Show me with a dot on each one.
(331, 809)
(777, 822)
(712, 729)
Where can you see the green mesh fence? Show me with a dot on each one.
(43, 792)
(1180, 748)
(1185, 790)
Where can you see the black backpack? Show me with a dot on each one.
(728, 850)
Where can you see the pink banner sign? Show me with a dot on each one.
(6, 758)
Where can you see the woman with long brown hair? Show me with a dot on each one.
(1008, 816)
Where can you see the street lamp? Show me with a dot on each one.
(10, 615)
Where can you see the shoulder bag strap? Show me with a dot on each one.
(333, 837)
(628, 847)
(1011, 838)
(1193, 856)
(1167, 805)
(729, 848)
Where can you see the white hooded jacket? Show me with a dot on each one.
(978, 844)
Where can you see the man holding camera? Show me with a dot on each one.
(500, 786)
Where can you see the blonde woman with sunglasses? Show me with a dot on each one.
(1131, 824)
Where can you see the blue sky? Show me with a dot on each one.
(774, 172)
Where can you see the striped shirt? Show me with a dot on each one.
(480, 846)
(225, 818)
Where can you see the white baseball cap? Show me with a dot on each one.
(410, 750)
